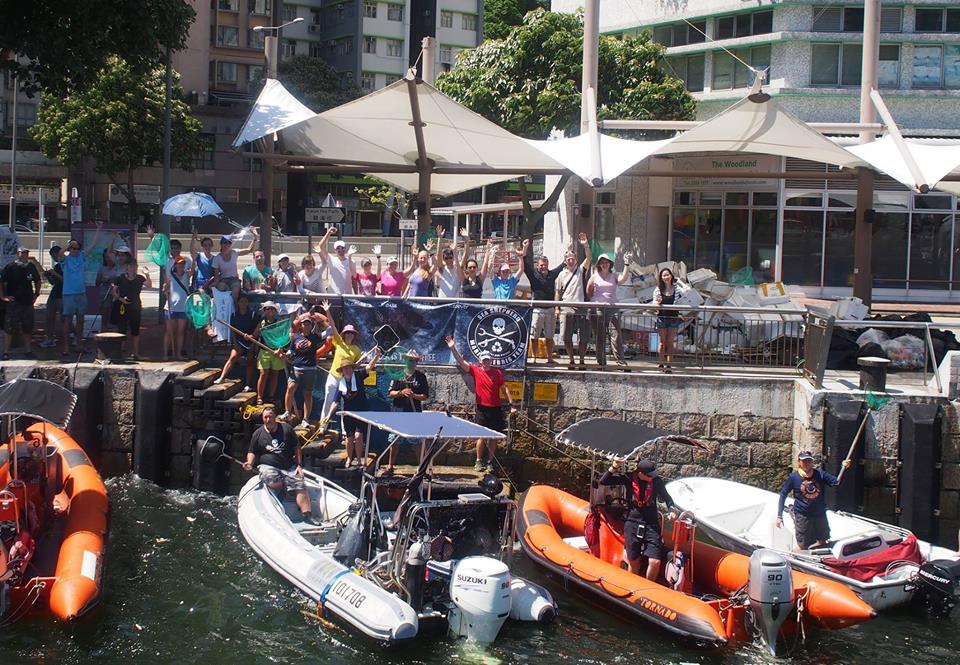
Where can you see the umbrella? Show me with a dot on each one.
(192, 204)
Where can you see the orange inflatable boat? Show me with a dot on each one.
(53, 508)
(712, 598)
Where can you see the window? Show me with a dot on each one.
(227, 36)
(446, 54)
(802, 246)
(254, 75)
(392, 78)
(288, 49)
(261, 7)
(26, 114)
(226, 71)
(744, 25)
(680, 34)
(368, 81)
(729, 73)
(370, 9)
(255, 39)
(287, 12)
(937, 20)
(927, 66)
(227, 5)
(370, 45)
(951, 65)
(316, 50)
(203, 159)
(891, 19)
(689, 69)
(344, 46)
(840, 65)
(394, 12)
(468, 22)
(446, 19)
(394, 48)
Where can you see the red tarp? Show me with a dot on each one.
(866, 568)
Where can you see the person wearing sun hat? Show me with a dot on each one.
(345, 348)
(408, 393)
(352, 396)
(271, 363)
(303, 352)
(807, 484)
(641, 530)
(602, 288)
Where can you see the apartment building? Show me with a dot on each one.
(800, 232)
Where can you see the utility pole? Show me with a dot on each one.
(591, 46)
(167, 139)
(863, 229)
(13, 157)
(270, 46)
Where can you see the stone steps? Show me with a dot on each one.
(220, 391)
(199, 379)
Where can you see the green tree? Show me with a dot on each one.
(315, 83)
(500, 16)
(63, 45)
(529, 83)
(117, 121)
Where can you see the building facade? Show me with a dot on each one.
(799, 231)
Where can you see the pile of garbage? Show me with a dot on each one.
(905, 348)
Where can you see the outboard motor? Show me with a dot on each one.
(480, 591)
(770, 589)
(938, 584)
(531, 602)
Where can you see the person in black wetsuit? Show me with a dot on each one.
(641, 531)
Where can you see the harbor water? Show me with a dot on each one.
(183, 587)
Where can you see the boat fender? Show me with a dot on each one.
(675, 571)
(591, 531)
(770, 590)
(414, 575)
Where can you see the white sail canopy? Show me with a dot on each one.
(935, 162)
(275, 109)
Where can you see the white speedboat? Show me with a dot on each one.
(884, 564)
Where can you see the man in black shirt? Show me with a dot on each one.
(55, 276)
(280, 460)
(408, 393)
(543, 282)
(19, 289)
(641, 530)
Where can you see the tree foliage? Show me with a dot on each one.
(529, 82)
(315, 83)
(118, 121)
(383, 193)
(500, 16)
(63, 45)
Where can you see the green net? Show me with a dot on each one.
(200, 309)
(597, 250)
(276, 335)
(427, 235)
(393, 363)
(875, 402)
(158, 251)
(743, 277)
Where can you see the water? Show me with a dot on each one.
(183, 587)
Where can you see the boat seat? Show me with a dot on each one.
(739, 520)
(579, 542)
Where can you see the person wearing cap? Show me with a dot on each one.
(571, 288)
(225, 263)
(54, 276)
(19, 288)
(341, 270)
(303, 359)
(352, 396)
(176, 291)
(127, 305)
(392, 281)
(246, 321)
(176, 252)
(345, 348)
(270, 362)
(368, 278)
(505, 280)
(202, 253)
(257, 277)
(602, 288)
(807, 484)
(642, 535)
(408, 393)
(487, 382)
(450, 268)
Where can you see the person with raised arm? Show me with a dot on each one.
(602, 288)
(74, 306)
(420, 273)
(341, 269)
(543, 283)
(475, 275)
(202, 253)
(353, 395)
(449, 268)
(571, 289)
(345, 348)
(225, 263)
(368, 278)
(506, 280)
(487, 381)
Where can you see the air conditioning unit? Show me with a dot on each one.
(314, 28)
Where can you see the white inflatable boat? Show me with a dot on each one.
(884, 564)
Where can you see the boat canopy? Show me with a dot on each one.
(425, 425)
(617, 438)
(38, 399)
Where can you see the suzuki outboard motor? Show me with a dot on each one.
(770, 589)
(938, 584)
(480, 591)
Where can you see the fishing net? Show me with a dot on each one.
(394, 363)
(200, 309)
(875, 401)
(597, 250)
(276, 335)
(743, 277)
(158, 251)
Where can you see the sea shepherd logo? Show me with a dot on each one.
(499, 331)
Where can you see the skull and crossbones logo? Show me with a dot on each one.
(498, 338)
(499, 331)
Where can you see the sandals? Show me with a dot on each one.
(259, 401)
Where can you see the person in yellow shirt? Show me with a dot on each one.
(345, 351)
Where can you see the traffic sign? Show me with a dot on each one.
(323, 215)
(408, 225)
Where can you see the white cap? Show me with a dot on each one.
(338, 244)
(485, 355)
(282, 257)
(392, 259)
(504, 266)
(123, 249)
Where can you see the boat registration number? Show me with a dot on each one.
(349, 594)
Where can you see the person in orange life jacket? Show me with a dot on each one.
(641, 530)
(809, 506)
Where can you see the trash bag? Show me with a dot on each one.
(905, 352)
(872, 336)
(276, 335)
(743, 277)
(354, 539)
(843, 350)
(158, 251)
(200, 309)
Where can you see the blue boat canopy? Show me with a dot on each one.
(425, 425)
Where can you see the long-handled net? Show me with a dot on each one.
(276, 335)
(158, 251)
(201, 310)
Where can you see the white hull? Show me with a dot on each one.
(310, 566)
(742, 519)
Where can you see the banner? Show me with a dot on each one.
(499, 330)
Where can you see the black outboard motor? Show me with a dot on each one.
(938, 584)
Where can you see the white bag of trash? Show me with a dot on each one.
(905, 352)
(873, 335)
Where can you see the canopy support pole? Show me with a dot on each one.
(863, 229)
(596, 167)
(898, 141)
(424, 164)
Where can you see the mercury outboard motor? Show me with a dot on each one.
(770, 589)
(938, 585)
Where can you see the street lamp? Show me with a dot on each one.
(13, 156)
(266, 219)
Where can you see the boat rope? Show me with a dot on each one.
(32, 597)
(322, 605)
(251, 410)
(801, 607)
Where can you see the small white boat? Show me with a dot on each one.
(884, 564)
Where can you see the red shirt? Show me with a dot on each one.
(488, 385)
